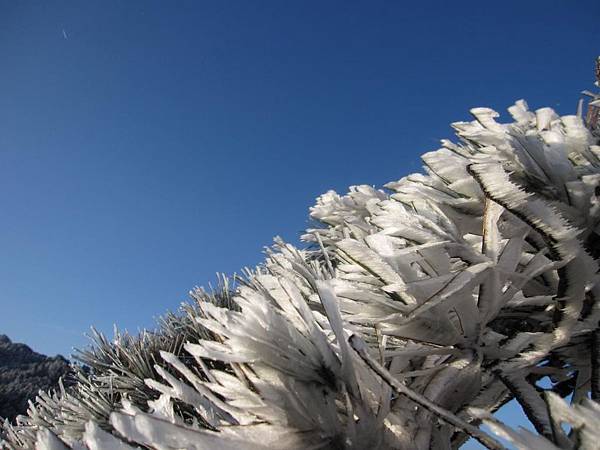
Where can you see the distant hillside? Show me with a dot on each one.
(23, 373)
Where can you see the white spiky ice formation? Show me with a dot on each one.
(413, 314)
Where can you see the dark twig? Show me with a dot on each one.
(445, 415)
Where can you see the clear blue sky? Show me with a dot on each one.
(145, 146)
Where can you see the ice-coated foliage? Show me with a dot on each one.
(583, 418)
(411, 316)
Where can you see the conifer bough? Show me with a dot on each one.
(411, 316)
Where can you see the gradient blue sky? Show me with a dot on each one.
(145, 146)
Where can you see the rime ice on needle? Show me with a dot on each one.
(466, 285)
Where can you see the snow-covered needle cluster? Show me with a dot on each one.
(411, 316)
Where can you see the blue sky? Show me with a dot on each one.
(146, 146)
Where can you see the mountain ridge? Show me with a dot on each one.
(23, 373)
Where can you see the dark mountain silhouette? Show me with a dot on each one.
(23, 373)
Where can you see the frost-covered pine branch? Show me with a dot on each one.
(413, 314)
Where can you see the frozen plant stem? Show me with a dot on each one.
(442, 413)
